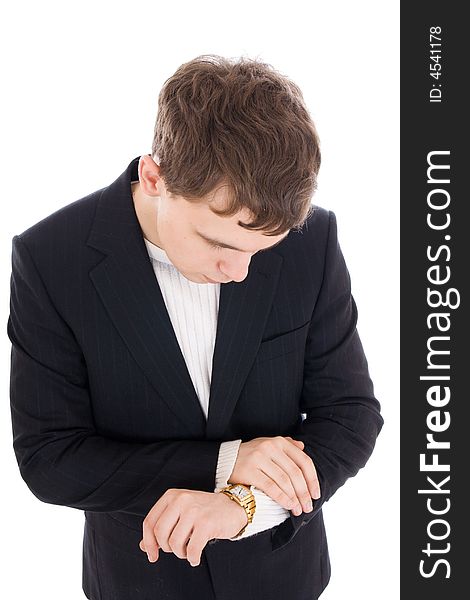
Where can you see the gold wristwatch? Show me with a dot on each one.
(241, 493)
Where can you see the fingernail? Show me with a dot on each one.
(309, 506)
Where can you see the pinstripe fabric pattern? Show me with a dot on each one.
(105, 415)
(193, 310)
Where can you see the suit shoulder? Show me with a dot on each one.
(314, 232)
(70, 223)
(318, 219)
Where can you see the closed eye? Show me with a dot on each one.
(216, 246)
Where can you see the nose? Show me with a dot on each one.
(235, 268)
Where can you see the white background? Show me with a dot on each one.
(79, 102)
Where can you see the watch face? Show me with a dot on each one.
(240, 491)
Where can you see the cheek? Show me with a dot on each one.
(196, 257)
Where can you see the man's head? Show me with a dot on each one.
(235, 158)
(200, 243)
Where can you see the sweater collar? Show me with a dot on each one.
(157, 253)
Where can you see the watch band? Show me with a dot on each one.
(242, 494)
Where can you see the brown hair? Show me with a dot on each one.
(243, 125)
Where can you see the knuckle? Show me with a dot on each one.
(256, 455)
(271, 490)
(266, 448)
(192, 510)
(310, 463)
(295, 470)
(150, 546)
(284, 478)
(176, 547)
(204, 527)
(287, 500)
(184, 496)
(270, 485)
(313, 477)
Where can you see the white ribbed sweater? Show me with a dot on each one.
(193, 309)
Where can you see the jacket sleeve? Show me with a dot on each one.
(61, 457)
(342, 415)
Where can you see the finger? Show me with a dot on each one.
(273, 477)
(178, 539)
(276, 483)
(150, 545)
(296, 442)
(142, 546)
(149, 540)
(296, 477)
(196, 545)
(310, 486)
(289, 468)
(164, 527)
(311, 479)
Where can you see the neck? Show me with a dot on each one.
(146, 211)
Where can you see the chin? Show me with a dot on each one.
(203, 280)
(209, 280)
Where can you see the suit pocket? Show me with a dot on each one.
(283, 344)
(269, 401)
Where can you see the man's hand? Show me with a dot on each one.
(280, 468)
(181, 515)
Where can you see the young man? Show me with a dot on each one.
(185, 363)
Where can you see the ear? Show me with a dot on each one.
(149, 176)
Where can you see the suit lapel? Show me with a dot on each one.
(129, 290)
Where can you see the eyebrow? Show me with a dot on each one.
(224, 245)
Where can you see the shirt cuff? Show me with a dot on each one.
(228, 453)
(268, 513)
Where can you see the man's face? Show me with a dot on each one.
(197, 240)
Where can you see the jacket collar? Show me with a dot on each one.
(129, 290)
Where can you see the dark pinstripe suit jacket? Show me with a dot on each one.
(105, 417)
